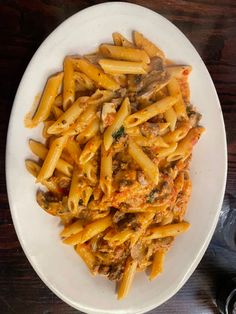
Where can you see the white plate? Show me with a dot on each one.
(57, 264)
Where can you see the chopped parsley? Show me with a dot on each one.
(152, 195)
(119, 133)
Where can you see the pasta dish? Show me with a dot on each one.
(119, 131)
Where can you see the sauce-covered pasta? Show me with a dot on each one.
(119, 132)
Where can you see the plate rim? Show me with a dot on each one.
(201, 252)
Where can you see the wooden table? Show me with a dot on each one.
(211, 27)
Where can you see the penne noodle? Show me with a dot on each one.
(57, 112)
(124, 53)
(90, 172)
(47, 124)
(75, 191)
(90, 131)
(143, 43)
(58, 101)
(179, 71)
(86, 194)
(127, 279)
(171, 118)
(122, 67)
(73, 228)
(179, 106)
(185, 146)
(149, 112)
(168, 230)
(83, 81)
(151, 142)
(119, 131)
(120, 237)
(149, 168)
(89, 231)
(178, 134)
(41, 151)
(96, 74)
(90, 149)
(47, 99)
(179, 182)
(120, 40)
(105, 182)
(74, 150)
(86, 255)
(164, 152)
(110, 132)
(68, 117)
(32, 167)
(52, 158)
(68, 84)
(157, 264)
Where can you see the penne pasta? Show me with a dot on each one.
(83, 81)
(171, 118)
(149, 168)
(32, 167)
(185, 146)
(47, 99)
(105, 182)
(89, 231)
(120, 40)
(52, 158)
(168, 230)
(151, 142)
(68, 117)
(110, 132)
(90, 149)
(164, 152)
(126, 282)
(86, 256)
(124, 53)
(96, 74)
(90, 172)
(178, 134)
(90, 131)
(179, 106)
(41, 151)
(75, 191)
(157, 264)
(86, 194)
(72, 229)
(74, 150)
(149, 112)
(120, 131)
(68, 84)
(143, 43)
(122, 67)
(57, 112)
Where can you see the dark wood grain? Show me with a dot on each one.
(211, 27)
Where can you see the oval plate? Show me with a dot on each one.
(57, 264)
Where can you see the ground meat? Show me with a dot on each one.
(115, 272)
(104, 270)
(149, 129)
(118, 216)
(163, 243)
(142, 179)
(126, 221)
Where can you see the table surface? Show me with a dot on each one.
(211, 27)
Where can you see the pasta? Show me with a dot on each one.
(119, 133)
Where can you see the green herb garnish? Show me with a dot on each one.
(119, 133)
